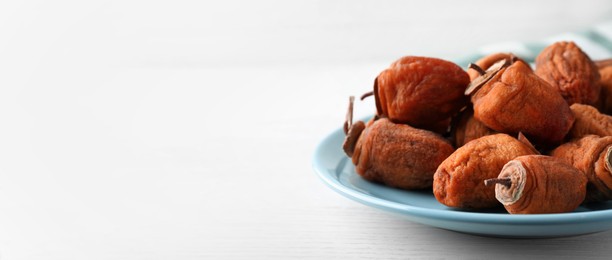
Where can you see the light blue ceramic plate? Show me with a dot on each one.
(338, 172)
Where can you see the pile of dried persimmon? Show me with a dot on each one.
(533, 140)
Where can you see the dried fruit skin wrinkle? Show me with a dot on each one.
(468, 128)
(420, 91)
(540, 184)
(589, 121)
(516, 100)
(399, 155)
(564, 66)
(591, 155)
(459, 180)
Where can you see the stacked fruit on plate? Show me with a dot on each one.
(535, 140)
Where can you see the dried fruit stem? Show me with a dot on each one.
(348, 123)
(352, 137)
(367, 94)
(352, 131)
(503, 181)
(484, 78)
(379, 110)
(513, 58)
(477, 68)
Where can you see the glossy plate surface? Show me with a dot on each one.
(338, 172)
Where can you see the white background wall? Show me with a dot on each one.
(228, 33)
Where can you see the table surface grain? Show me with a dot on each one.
(135, 130)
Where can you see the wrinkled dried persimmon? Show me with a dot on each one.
(539, 184)
(589, 121)
(592, 155)
(467, 128)
(568, 69)
(459, 180)
(420, 91)
(397, 155)
(510, 98)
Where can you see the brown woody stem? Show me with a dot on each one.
(352, 131)
(379, 111)
(484, 78)
(503, 181)
(513, 58)
(348, 123)
(477, 68)
(367, 94)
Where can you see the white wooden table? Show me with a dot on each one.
(185, 130)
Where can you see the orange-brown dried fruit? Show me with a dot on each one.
(589, 121)
(539, 184)
(567, 68)
(591, 155)
(397, 155)
(459, 180)
(468, 128)
(512, 99)
(420, 91)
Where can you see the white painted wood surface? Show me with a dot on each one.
(185, 130)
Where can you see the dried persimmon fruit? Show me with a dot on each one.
(539, 184)
(397, 155)
(459, 180)
(467, 128)
(589, 121)
(420, 91)
(510, 98)
(567, 68)
(592, 155)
